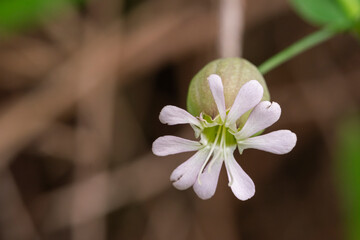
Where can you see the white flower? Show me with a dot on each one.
(220, 136)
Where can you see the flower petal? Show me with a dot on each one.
(241, 184)
(173, 115)
(278, 142)
(264, 115)
(185, 175)
(249, 96)
(209, 179)
(168, 145)
(217, 90)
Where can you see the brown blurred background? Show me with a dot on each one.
(80, 96)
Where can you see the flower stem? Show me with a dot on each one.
(297, 48)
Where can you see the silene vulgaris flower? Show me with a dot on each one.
(220, 136)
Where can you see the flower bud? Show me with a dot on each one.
(234, 72)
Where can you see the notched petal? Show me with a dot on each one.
(278, 142)
(249, 96)
(264, 115)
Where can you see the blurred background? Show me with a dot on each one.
(82, 83)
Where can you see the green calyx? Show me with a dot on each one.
(234, 72)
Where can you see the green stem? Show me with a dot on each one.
(296, 48)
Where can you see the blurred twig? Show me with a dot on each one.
(26, 59)
(66, 33)
(94, 143)
(58, 141)
(143, 179)
(169, 219)
(15, 220)
(99, 60)
(104, 11)
(231, 28)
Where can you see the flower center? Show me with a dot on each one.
(218, 138)
(217, 134)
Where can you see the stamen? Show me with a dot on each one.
(224, 143)
(210, 153)
(226, 163)
(229, 172)
(213, 160)
(223, 138)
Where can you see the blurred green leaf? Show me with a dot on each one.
(323, 12)
(17, 14)
(351, 8)
(348, 170)
(357, 30)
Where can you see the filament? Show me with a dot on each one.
(210, 153)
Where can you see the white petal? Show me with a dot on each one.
(264, 115)
(278, 142)
(209, 180)
(249, 96)
(185, 175)
(241, 184)
(173, 115)
(168, 145)
(217, 90)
